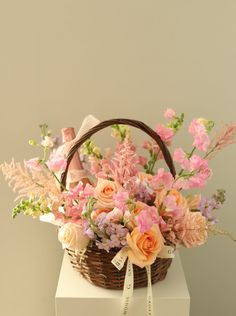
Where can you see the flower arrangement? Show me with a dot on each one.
(121, 200)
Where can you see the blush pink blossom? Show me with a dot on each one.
(162, 179)
(33, 164)
(142, 160)
(171, 206)
(147, 218)
(199, 132)
(197, 162)
(181, 157)
(120, 198)
(56, 162)
(169, 114)
(165, 133)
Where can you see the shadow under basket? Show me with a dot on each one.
(96, 267)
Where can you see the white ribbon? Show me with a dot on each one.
(119, 260)
(128, 289)
(149, 292)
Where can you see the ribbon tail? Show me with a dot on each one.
(149, 293)
(128, 289)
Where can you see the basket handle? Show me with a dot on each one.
(134, 123)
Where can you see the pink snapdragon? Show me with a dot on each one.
(165, 133)
(201, 173)
(120, 198)
(169, 114)
(162, 179)
(201, 139)
(147, 218)
(181, 157)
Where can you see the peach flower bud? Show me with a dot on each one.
(71, 236)
(104, 191)
(144, 248)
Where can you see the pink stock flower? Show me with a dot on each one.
(147, 218)
(165, 133)
(56, 162)
(199, 132)
(162, 179)
(33, 164)
(169, 114)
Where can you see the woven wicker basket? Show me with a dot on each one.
(95, 264)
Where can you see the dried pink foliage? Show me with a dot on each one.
(28, 182)
(226, 137)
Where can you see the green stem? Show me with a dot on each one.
(55, 176)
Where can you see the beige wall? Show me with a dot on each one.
(60, 60)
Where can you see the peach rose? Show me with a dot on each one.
(104, 191)
(194, 229)
(144, 248)
(71, 236)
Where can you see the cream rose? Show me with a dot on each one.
(144, 248)
(104, 191)
(71, 236)
(194, 229)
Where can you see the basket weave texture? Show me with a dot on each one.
(95, 264)
(96, 267)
